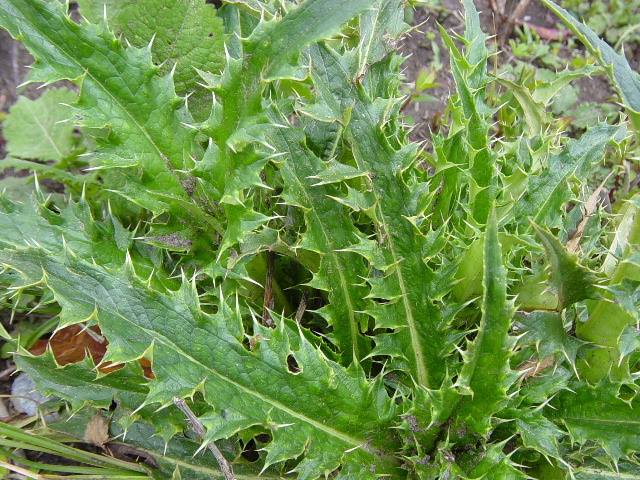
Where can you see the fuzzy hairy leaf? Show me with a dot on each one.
(193, 351)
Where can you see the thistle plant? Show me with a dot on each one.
(250, 216)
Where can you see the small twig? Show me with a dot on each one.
(302, 307)
(268, 291)
(499, 8)
(7, 372)
(510, 22)
(198, 429)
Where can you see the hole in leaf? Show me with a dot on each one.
(292, 365)
(249, 451)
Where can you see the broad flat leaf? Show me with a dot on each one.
(119, 91)
(625, 80)
(596, 414)
(546, 332)
(186, 35)
(569, 280)
(486, 369)
(39, 129)
(549, 191)
(193, 351)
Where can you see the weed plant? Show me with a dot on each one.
(245, 212)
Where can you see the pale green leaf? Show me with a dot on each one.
(569, 280)
(41, 129)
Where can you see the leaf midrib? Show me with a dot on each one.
(267, 400)
(100, 86)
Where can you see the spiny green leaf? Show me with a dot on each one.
(549, 191)
(626, 81)
(329, 230)
(179, 454)
(486, 368)
(571, 281)
(497, 465)
(472, 114)
(119, 90)
(74, 227)
(72, 180)
(193, 351)
(546, 332)
(379, 27)
(39, 129)
(597, 413)
(186, 36)
(412, 312)
(627, 294)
